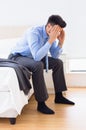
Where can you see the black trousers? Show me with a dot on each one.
(37, 67)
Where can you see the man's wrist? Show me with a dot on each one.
(60, 44)
(50, 41)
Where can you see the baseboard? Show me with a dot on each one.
(51, 90)
(76, 79)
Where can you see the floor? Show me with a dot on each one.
(66, 117)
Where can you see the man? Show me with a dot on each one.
(31, 51)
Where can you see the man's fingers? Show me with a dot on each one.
(56, 27)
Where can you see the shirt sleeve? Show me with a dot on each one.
(55, 50)
(38, 50)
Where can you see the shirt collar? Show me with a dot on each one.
(44, 33)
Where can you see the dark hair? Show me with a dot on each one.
(56, 20)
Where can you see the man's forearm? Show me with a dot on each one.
(60, 44)
(42, 52)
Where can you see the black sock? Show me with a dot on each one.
(60, 99)
(44, 109)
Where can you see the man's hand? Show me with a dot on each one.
(61, 38)
(54, 33)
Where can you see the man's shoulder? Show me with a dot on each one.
(35, 29)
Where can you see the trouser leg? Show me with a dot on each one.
(57, 74)
(59, 80)
(36, 67)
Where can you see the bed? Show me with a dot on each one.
(12, 99)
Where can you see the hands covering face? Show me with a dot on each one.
(56, 32)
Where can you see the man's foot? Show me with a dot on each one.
(62, 100)
(44, 109)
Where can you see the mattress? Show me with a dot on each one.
(11, 98)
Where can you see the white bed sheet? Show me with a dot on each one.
(10, 95)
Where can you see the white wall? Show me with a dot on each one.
(24, 12)
(31, 12)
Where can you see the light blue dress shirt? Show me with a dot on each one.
(34, 44)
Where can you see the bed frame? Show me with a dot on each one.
(9, 32)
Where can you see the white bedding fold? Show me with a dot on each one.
(16, 99)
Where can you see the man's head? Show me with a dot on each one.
(54, 20)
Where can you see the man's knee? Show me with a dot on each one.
(59, 62)
(39, 66)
